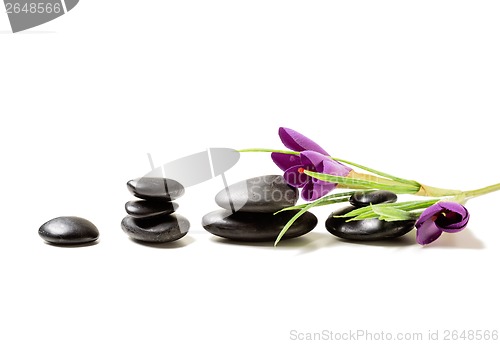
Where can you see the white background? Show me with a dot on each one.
(410, 87)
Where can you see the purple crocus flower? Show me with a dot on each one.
(441, 217)
(312, 158)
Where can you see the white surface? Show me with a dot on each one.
(408, 87)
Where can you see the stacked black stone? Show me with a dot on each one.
(369, 229)
(152, 219)
(249, 208)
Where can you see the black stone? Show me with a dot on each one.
(156, 230)
(364, 198)
(365, 230)
(255, 227)
(66, 230)
(143, 209)
(150, 188)
(264, 194)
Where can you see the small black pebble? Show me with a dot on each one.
(67, 230)
(362, 199)
(143, 209)
(150, 188)
(159, 229)
(365, 230)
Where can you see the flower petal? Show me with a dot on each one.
(333, 167)
(441, 217)
(312, 191)
(285, 161)
(453, 217)
(323, 164)
(428, 213)
(296, 141)
(295, 178)
(427, 232)
(312, 158)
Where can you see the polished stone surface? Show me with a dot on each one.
(67, 230)
(244, 226)
(150, 188)
(365, 198)
(156, 230)
(264, 194)
(143, 209)
(364, 230)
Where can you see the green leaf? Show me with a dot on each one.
(325, 202)
(391, 213)
(357, 212)
(295, 217)
(413, 205)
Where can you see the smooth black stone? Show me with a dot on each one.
(67, 230)
(362, 199)
(156, 230)
(144, 209)
(366, 230)
(255, 227)
(264, 194)
(150, 188)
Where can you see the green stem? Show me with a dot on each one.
(431, 191)
(354, 182)
(382, 174)
(482, 191)
(266, 150)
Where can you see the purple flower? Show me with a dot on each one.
(298, 142)
(312, 158)
(441, 217)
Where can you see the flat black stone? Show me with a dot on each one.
(264, 194)
(160, 229)
(366, 230)
(364, 198)
(144, 209)
(256, 227)
(150, 188)
(68, 230)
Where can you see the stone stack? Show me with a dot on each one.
(249, 207)
(152, 219)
